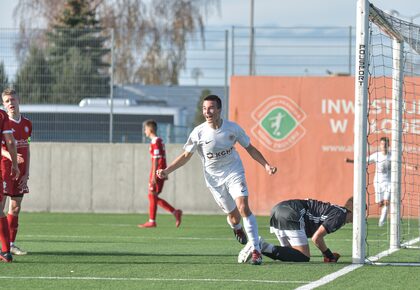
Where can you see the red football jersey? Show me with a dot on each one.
(157, 151)
(22, 130)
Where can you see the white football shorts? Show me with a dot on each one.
(382, 190)
(290, 238)
(226, 194)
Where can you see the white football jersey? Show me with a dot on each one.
(383, 166)
(216, 148)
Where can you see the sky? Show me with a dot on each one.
(277, 12)
(303, 12)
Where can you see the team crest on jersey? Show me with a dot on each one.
(26, 129)
(278, 123)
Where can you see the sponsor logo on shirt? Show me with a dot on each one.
(220, 154)
(278, 123)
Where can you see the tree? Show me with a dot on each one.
(4, 80)
(150, 36)
(33, 80)
(76, 54)
(196, 74)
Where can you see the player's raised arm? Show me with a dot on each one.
(257, 155)
(180, 161)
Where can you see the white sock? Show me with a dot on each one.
(269, 248)
(384, 212)
(235, 227)
(251, 229)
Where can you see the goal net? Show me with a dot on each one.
(387, 139)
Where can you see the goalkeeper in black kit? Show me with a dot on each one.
(294, 221)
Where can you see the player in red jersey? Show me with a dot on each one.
(157, 153)
(10, 144)
(22, 130)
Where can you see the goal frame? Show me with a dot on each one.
(365, 14)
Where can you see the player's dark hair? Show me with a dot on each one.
(214, 98)
(386, 140)
(151, 124)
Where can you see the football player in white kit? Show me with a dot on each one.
(214, 140)
(382, 179)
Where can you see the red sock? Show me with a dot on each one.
(13, 226)
(4, 235)
(152, 206)
(164, 204)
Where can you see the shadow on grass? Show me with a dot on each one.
(80, 241)
(126, 254)
(123, 258)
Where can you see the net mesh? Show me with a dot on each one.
(383, 28)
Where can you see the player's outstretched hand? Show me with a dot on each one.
(270, 169)
(336, 257)
(161, 173)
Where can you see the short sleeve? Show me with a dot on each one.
(372, 158)
(242, 137)
(5, 125)
(157, 148)
(336, 219)
(192, 142)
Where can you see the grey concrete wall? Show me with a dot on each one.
(109, 178)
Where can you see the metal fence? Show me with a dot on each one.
(64, 67)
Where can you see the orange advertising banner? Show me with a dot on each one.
(304, 126)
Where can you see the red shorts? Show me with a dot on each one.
(158, 186)
(10, 188)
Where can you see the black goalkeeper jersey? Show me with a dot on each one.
(314, 213)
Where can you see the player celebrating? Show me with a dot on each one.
(157, 152)
(9, 141)
(382, 179)
(214, 141)
(293, 221)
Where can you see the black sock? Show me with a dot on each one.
(286, 254)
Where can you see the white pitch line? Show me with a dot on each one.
(327, 279)
(150, 279)
(330, 277)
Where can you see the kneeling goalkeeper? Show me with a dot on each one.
(294, 221)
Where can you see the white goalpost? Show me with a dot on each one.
(387, 89)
